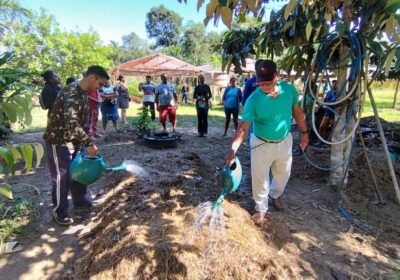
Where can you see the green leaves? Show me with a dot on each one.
(40, 44)
(8, 158)
(226, 15)
(163, 25)
(308, 30)
(39, 153)
(11, 154)
(5, 189)
(389, 61)
(289, 8)
(15, 94)
(27, 154)
(16, 154)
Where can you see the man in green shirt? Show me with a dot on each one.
(270, 108)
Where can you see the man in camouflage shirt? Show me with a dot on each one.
(66, 125)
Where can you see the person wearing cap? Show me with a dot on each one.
(232, 98)
(66, 125)
(270, 109)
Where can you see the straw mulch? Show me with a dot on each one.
(145, 231)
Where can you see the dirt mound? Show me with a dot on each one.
(145, 231)
(143, 226)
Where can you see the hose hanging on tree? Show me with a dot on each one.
(322, 63)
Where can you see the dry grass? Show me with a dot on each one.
(145, 231)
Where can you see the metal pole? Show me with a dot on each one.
(385, 148)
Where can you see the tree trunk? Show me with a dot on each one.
(340, 153)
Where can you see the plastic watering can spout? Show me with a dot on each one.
(121, 167)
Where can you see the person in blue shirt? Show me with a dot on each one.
(329, 117)
(249, 87)
(232, 98)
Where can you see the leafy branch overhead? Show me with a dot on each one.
(15, 94)
(293, 31)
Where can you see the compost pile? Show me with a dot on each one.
(145, 230)
(144, 226)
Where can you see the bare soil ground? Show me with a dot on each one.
(141, 226)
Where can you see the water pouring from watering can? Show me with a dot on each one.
(87, 169)
(212, 212)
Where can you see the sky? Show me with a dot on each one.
(114, 18)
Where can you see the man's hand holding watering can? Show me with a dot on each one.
(92, 150)
(240, 136)
(230, 158)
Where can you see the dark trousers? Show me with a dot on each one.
(202, 120)
(185, 97)
(152, 111)
(59, 159)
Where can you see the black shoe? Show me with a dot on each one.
(201, 135)
(84, 202)
(63, 220)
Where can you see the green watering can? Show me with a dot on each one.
(86, 169)
(231, 177)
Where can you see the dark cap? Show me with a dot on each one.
(265, 70)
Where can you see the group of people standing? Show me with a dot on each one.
(108, 99)
(269, 105)
(164, 99)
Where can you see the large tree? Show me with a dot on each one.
(10, 12)
(133, 47)
(196, 47)
(40, 45)
(164, 26)
(301, 28)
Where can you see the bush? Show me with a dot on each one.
(143, 123)
(132, 84)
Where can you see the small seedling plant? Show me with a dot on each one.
(143, 123)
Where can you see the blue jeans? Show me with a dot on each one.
(184, 97)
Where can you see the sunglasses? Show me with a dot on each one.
(266, 84)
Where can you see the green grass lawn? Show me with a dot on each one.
(187, 117)
(384, 101)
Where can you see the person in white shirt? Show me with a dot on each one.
(148, 96)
